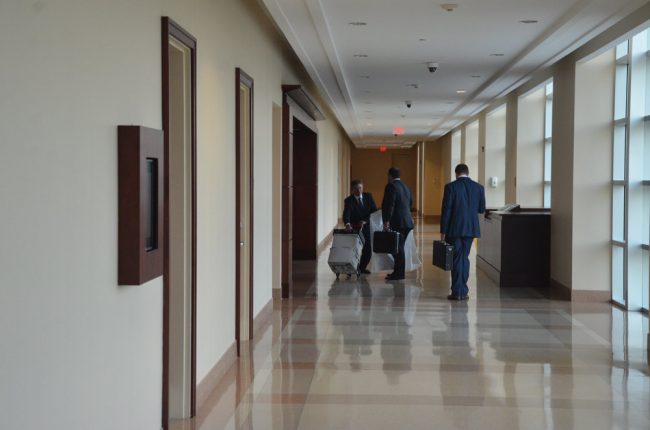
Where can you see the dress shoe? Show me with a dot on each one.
(394, 277)
(365, 271)
(455, 297)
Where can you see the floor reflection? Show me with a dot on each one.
(357, 354)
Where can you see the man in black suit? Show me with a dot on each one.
(463, 201)
(396, 214)
(356, 216)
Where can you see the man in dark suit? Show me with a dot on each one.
(463, 201)
(356, 216)
(396, 214)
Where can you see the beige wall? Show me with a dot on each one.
(85, 352)
(592, 169)
(562, 171)
(530, 149)
(371, 166)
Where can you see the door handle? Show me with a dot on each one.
(241, 243)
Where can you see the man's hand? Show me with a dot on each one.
(387, 226)
(443, 236)
(348, 228)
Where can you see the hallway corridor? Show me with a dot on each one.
(369, 354)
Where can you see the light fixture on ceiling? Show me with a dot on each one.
(358, 23)
(360, 55)
(461, 92)
(529, 21)
(414, 86)
(364, 76)
(367, 91)
(422, 39)
(497, 54)
(475, 76)
(449, 7)
(450, 103)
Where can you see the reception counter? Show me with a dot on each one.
(514, 249)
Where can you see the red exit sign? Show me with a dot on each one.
(382, 149)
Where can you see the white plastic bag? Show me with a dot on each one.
(385, 262)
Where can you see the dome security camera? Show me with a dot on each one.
(408, 104)
(433, 67)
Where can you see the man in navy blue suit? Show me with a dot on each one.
(463, 201)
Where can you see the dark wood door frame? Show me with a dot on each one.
(242, 78)
(172, 29)
(295, 104)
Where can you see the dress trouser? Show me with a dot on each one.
(400, 261)
(366, 253)
(460, 269)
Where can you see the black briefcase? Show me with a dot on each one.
(385, 242)
(443, 255)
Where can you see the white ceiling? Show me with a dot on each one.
(368, 94)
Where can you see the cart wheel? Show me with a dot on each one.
(337, 276)
(349, 276)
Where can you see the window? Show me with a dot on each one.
(455, 152)
(534, 146)
(548, 140)
(631, 174)
(471, 149)
(495, 157)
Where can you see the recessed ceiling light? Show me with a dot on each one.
(364, 76)
(497, 55)
(358, 23)
(475, 76)
(449, 7)
(529, 21)
(416, 86)
(360, 55)
(450, 103)
(461, 92)
(422, 39)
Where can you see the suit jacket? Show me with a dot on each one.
(396, 206)
(463, 200)
(353, 213)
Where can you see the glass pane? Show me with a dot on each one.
(618, 213)
(620, 92)
(548, 153)
(151, 205)
(618, 264)
(548, 119)
(645, 239)
(620, 133)
(549, 88)
(646, 149)
(547, 196)
(622, 49)
(646, 279)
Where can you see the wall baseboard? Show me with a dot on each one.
(211, 380)
(559, 291)
(263, 316)
(591, 296)
(229, 358)
(322, 246)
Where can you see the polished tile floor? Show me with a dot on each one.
(369, 354)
